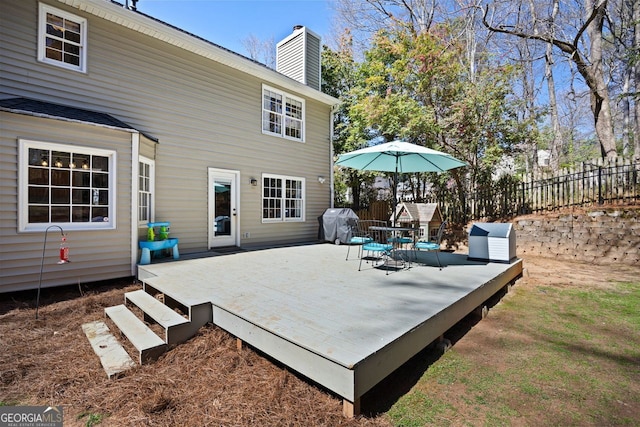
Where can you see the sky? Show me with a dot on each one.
(228, 22)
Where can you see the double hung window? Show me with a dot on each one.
(282, 114)
(282, 198)
(62, 38)
(145, 190)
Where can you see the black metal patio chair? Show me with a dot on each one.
(432, 245)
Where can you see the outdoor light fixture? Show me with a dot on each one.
(321, 179)
(253, 181)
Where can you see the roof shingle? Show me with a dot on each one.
(35, 107)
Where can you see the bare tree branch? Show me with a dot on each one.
(566, 47)
(592, 72)
(598, 8)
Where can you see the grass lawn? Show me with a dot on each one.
(559, 349)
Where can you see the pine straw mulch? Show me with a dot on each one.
(205, 381)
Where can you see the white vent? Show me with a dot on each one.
(298, 57)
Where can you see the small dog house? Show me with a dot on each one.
(492, 242)
(426, 216)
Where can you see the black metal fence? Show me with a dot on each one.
(601, 182)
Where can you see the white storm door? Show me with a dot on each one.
(223, 207)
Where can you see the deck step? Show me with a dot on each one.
(113, 357)
(161, 314)
(143, 339)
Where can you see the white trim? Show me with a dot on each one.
(152, 190)
(283, 218)
(332, 181)
(234, 177)
(135, 150)
(23, 183)
(43, 9)
(284, 95)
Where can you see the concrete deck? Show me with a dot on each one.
(316, 313)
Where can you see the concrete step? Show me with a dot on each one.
(149, 345)
(113, 357)
(174, 324)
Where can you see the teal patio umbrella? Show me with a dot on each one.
(399, 157)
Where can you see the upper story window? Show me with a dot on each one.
(282, 114)
(66, 185)
(282, 198)
(62, 38)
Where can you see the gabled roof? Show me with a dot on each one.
(152, 27)
(419, 212)
(50, 110)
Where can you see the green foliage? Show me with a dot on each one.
(358, 184)
(92, 419)
(413, 87)
(340, 77)
(585, 151)
(400, 83)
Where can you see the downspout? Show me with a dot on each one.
(331, 173)
(135, 154)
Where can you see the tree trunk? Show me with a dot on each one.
(528, 93)
(355, 189)
(626, 112)
(557, 142)
(600, 105)
(590, 68)
(636, 43)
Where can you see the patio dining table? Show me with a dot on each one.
(394, 235)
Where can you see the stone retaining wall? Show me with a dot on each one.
(601, 236)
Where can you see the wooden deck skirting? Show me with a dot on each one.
(305, 306)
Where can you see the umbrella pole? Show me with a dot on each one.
(395, 190)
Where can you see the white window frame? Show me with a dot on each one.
(284, 114)
(283, 199)
(43, 9)
(23, 186)
(150, 192)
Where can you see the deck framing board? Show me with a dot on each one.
(382, 363)
(331, 375)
